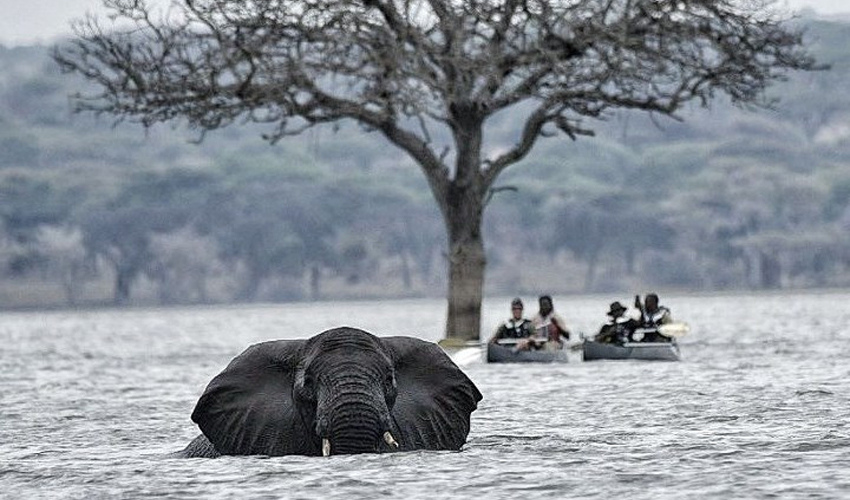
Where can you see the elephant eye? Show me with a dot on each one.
(307, 386)
(390, 389)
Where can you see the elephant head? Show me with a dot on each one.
(342, 391)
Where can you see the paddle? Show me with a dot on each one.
(509, 341)
(674, 330)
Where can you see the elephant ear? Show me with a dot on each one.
(435, 398)
(248, 409)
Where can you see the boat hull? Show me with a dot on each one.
(508, 354)
(648, 351)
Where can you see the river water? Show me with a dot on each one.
(92, 402)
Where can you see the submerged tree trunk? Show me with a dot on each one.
(466, 266)
(466, 288)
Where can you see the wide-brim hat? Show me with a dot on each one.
(615, 308)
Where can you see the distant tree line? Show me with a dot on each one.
(96, 212)
(201, 235)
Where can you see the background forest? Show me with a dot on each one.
(96, 212)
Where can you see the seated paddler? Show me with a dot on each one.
(619, 327)
(550, 328)
(652, 315)
(516, 330)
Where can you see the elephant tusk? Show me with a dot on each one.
(326, 447)
(388, 438)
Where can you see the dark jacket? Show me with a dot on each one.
(514, 329)
(616, 331)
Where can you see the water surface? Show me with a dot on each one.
(92, 402)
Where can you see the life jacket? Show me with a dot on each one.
(515, 329)
(542, 327)
(654, 319)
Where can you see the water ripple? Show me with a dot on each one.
(93, 403)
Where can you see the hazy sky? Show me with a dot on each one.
(33, 21)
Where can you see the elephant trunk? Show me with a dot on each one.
(354, 426)
(353, 422)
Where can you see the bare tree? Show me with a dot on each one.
(428, 75)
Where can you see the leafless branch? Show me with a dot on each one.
(405, 67)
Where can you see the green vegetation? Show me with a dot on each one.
(93, 212)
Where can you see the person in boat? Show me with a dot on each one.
(550, 329)
(517, 329)
(652, 315)
(619, 327)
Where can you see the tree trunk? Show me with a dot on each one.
(464, 217)
(71, 283)
(466, 280)
(123, 280)
(463, 209)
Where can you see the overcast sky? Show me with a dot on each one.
(39, 21)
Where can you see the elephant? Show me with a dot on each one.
(343, 391)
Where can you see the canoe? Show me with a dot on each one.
(507, 353)
(649, 351)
